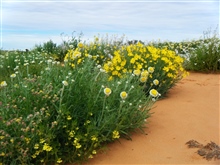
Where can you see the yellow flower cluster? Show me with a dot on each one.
(116, 65)
(152, 64)
(115, 134)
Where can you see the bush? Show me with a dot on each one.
(62, 114)
(206, 57)
(156, 64)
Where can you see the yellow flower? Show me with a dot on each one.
(107, 91)
(154, 93)
(36, 146)
(59, 160)
(123, 95)
(34, 156)
(42, 141)
(115, 134)
(94, 152)
(78, 145)
(94, 138)
(90, 156)
(69, 117)
(2, 154)
(156, 82)
(46, 147)
(144, 73)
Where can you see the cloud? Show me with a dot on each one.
(136, 19)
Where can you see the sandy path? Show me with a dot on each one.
(190, 111)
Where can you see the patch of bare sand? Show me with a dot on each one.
(190, 111)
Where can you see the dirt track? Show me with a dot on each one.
(190, 111)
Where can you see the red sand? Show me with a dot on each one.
(190, 111)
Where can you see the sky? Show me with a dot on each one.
(25, 23)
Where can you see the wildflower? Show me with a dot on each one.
(94, 152)
(80, 45)
(3, 84)
(65, 83)
(69, 117)
(36, 146)
(143, 79)
(144, 73)
(90, 156)
(123, 95)
(156, 82)
(34, 156)
(154, 93)
(13, 75)
(78, 145)
(115, 134)
(42, 140)
(137, 72)
(107, 91)
(47, 68)
(71, 46)
(49, 61)
(2, 154)
(150, 69)
(46, 147)
(59, 160)
(94, 138)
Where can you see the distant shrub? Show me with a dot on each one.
(206, 57)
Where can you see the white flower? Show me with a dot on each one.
(150, 69)
(107, 91)
(123, 95)
(156, 82)
(137, 72)
(3, 84)
(47, 68)
(13, 75)
(154, 93)
(143, 79)
(71, 46)
(65, 83)
(102, 70)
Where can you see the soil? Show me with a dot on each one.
(189, 113)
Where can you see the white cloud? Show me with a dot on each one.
(137, 20)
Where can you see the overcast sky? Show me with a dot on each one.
(25, 23)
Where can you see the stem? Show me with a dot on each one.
(103, 107)
(27, 71)
(61, 96)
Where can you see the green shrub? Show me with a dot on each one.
(61, 114)
(206, 57)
